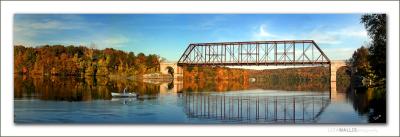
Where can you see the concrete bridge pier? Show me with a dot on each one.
(334, 66)
(178, 71)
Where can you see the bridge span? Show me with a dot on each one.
(256, 53)
(290, 52)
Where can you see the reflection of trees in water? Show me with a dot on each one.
(76, 89)
(171, 85)
(295, 79)
(60, 88)
(23, 87)
(214, 85)
(369, 102)
(343, 80)
(138, 87)
(291, 85)
(231, 85)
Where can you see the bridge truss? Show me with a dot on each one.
(288, 52)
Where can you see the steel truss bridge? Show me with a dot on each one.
(259, 53)
(287, 52)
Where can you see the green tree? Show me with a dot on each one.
(376, 27)
(359, 62)
(360, 67)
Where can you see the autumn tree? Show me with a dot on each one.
(80, 61)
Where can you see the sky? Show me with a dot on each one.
(168, 35)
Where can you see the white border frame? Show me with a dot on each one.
(8, 9)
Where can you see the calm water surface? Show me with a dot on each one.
(89, 100)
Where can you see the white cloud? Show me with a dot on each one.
(100, 42)
(352, 32)
(28, 30)
(339, 53)
(263, 32)
(333, 38)
(49, 25)
(322, 35)
(115, 41)
(323, 38)
(45, 25)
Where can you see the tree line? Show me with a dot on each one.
(305, 74)
(214, 73)
(368, 70)
(368, 63)
(81, 61)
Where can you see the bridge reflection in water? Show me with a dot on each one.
(255, 109)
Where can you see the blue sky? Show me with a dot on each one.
(168, 35)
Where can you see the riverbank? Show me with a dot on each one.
(153, 78)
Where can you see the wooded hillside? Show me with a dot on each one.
(81, 61)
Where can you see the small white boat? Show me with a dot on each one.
(123, 95)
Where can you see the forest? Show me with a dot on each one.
(214, 73)
(59, 60)
(304, 74)
(294, 74)
(294, 79)
(368, 63)
(81, 61)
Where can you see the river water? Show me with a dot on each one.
(88, 100)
